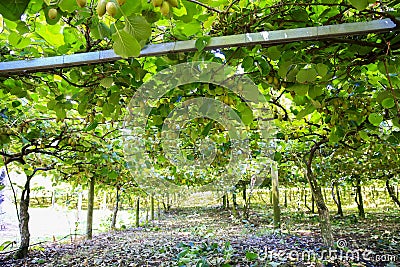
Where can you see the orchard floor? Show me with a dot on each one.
(213, 237)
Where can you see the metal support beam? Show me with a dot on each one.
(239, 40)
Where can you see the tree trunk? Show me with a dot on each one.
(391, 192)
(286, 199)
(244, 193)
(234, 204)
(359, 198)
(270, 197)
(305, 200)
(22, 251)
(158, 209)
(89, 221)
(234, 199)
(275, 193)
(152, 208)
(337, 199)
(115, 210)
(224, 201)
(323, 211)
(137, 212)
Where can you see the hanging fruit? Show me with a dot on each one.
(81, 3)
(52, 13)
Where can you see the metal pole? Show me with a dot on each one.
(238, 40)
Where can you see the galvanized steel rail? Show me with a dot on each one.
(239, 40)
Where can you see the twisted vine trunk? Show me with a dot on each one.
(359, 199)
(137, 213)
(323, 211)
(391, 192)
(152, 208)
(22, 251)
(337, 199)
(115, 210)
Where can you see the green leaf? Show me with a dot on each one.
(114, 98)
(263, 65)
(82, 107)
(12, 10)
(5, 139)
(248, 63)
(108, 109)
(306, 75)
(307, 110)
(189, 29)
(207, 129)
(51, 104)
(139, 28)
(336, 134)
(92, 126)
(107, 82)
(359, 4)
(246, 116)
(125, 45)
(322, 69)
(113, 175)
(5, 244)
(299, 89)
(375, 119)
(67, 5)
(202, 42)
(315, 91)
(364, 135)
(131, 7)
(251, 256)
(157, 120)
(277, 156)
(273, 53)
(60, 112)
(388, 103)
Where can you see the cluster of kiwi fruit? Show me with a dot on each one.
(5, 131)
(103, 6)
(109, 7)
(165, 5)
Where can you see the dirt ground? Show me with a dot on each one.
(213, 237)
